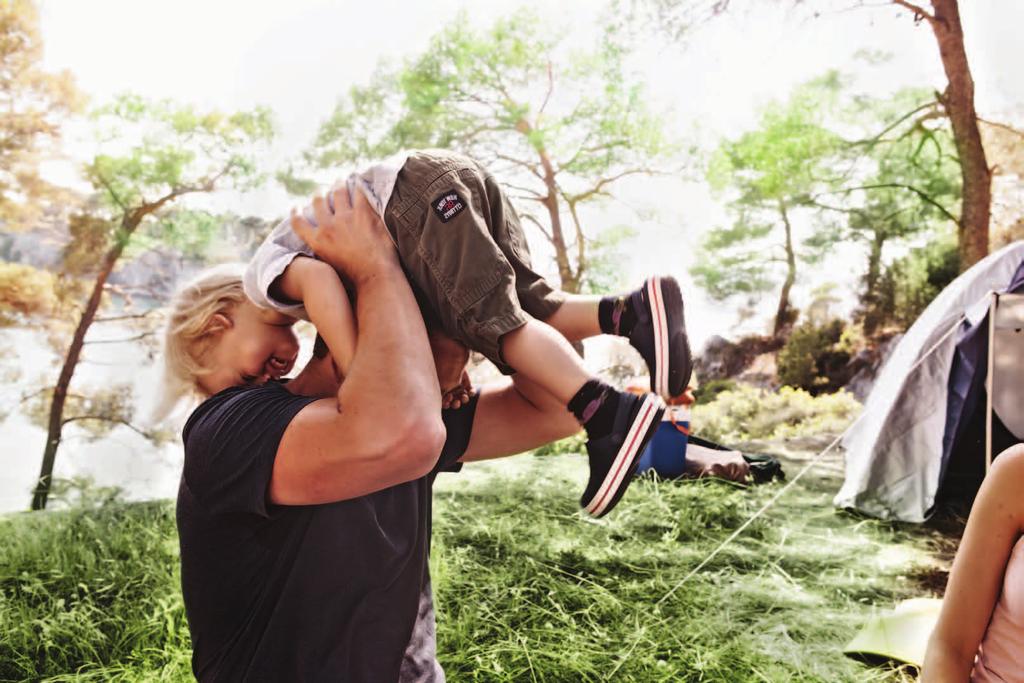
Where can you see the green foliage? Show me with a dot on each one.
(83, 493)
(913, 281)
(523, 586)
(604, 262)
(910, 185)
(95, 592)
(96, 414)
(749, 413)
(785, 156)
(562, 127)
(709, 391)
(572, 444)
(766, 174)
(803, 360)
(155, 149)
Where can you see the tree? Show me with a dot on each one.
(31, 105)
(152, 155)
(958, 102)
(562, 129)
(768, 173)
(904, 181)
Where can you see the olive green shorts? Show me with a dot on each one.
(464, 251)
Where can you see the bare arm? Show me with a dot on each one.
(317, 285)
(994, 525)
(514, 418)
(383, 427)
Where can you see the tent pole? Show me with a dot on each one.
(990, 380)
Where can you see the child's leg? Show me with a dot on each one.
(539, 352)
(450, 226)
(577, 318)
(651, 317)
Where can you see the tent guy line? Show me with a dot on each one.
(806, 468)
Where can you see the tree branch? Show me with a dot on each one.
(144, 335)
(581, 255)
(519, 162)
(113, 195)
(205, 185)
(104, 418)
(533, 219)
(135, 316)
(877, 138)
(551, 88)
(920, 193)
(1007, 128)
(919, 12)
(600, 184)
(533, 194)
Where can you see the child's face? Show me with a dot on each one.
(257, 345)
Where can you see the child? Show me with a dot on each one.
(465, 255)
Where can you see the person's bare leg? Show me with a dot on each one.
(543, 355)
(577, 319)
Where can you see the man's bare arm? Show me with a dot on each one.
(514, 418)
(384, 425)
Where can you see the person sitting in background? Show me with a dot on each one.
(980, 632)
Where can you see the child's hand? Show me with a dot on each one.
(352, 237)
(458, 396)
(450, 358)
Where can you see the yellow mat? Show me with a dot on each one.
(901, 634)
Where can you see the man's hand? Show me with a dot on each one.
(450, 358)
(353, 238)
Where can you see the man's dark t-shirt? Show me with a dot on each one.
(335, 592)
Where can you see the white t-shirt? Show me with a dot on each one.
(282, 245)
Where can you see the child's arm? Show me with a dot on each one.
(317, 285)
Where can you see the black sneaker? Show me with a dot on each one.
(659, 334)
(613, 458)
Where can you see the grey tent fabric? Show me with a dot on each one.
(895, 452)
(967, 375)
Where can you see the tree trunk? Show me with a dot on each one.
(781, 314)
(67, 371)
(958, 101)
(569, 281)
(871, 313)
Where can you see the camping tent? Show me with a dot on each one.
(923, 412)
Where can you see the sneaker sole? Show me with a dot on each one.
(621, 472)
(673, 364)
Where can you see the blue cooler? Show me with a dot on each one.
(666, 453)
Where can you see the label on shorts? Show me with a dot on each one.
(448, 205)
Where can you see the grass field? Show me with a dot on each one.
(526, 588)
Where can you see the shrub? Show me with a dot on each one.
(749, 413)
(572, 444)
(709, 391)
(912, 282)
(810, 356)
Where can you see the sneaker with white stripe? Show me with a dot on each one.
(659, 334)
(614, 457)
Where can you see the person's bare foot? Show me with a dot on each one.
(450, 358)
(707, 462)
(459, 395)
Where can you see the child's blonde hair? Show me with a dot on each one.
(191, 330)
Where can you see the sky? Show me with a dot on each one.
(298, 56)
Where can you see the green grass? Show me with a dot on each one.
(526, 588)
